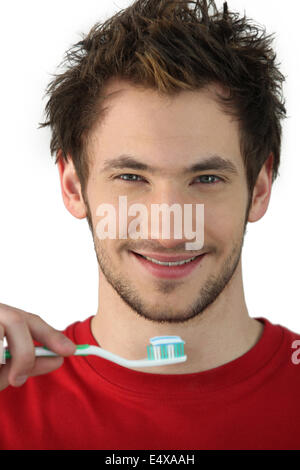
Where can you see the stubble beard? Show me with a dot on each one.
(161, 312)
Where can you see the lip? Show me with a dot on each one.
(170, 258)
(167, 272)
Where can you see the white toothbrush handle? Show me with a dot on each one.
(86, 350)
(96, 351)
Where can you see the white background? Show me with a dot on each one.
(47, 261)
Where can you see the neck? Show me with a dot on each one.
(220, 334)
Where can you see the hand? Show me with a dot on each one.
(20, 329)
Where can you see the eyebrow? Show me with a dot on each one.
(213, 162)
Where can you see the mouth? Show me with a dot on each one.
(165, 266)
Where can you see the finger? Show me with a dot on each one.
(50, 337)
(2, 358)
(45, 365)
(21, 347)
(42, 331)
(4, 372)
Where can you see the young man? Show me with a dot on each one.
(162, 104)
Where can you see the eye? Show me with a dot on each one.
(129, 177)
(209, 183)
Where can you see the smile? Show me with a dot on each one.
(169, 263)
(167, 269)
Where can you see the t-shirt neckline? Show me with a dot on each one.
(210, 380)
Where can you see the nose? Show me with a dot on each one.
(173, 219)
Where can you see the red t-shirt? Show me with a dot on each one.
(251, 402)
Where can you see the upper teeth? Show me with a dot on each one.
(167, 263)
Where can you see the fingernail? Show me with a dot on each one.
(66, 342)
(21, 379)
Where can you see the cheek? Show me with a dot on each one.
(224, 223)
(103, 208)
(106, 251)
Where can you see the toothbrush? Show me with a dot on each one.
(163, 350)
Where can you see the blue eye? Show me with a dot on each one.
(209, 176)
(132, 177)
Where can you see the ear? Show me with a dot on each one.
(70, 187)
(262, 191)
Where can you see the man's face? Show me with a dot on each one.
(168, 134)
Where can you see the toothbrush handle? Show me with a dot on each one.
(86, 350)
(43, 351)
(39, 351)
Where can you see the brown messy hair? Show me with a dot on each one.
(168, 46)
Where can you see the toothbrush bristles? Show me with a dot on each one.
(165, 347)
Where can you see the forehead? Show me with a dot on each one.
(163, 129)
